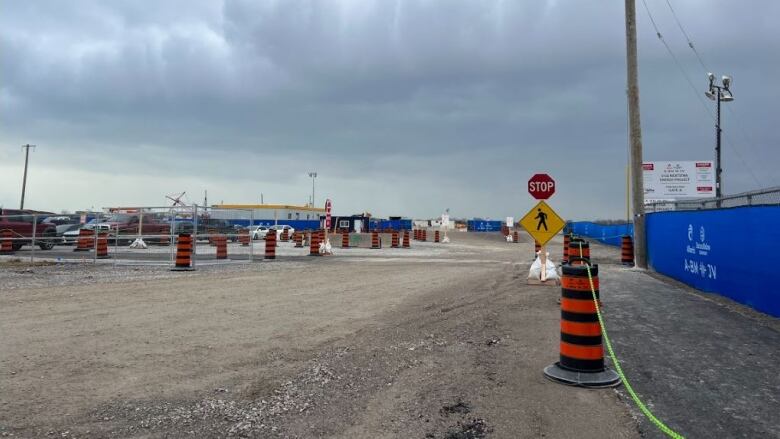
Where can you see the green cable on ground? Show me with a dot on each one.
(658, 423)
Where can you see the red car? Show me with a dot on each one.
(20, 223)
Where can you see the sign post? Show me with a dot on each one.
(328, 219)
(541, 222)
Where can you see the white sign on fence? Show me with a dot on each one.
(678, 180)
(510, 221)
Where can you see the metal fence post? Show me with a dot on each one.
(34, 231)
(95, 239)
(194, 233)
(251, 239)
(116, 244)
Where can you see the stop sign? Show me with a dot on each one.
(541, 186)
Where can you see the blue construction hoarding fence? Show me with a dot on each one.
(478, 225)
(724, 251)
(605, 233)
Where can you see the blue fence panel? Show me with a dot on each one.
(725, 251)
(484, 226)
(380, 224)
(606, 234)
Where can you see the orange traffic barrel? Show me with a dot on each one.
(436, 236)
(405, 243)
(515, 237)
(285, 234)
(627, 251)
(314, 241)
(375, 239)
(298, 239)
(85, 241)
(270, 244)
(566, 240)
(183, 253)
(345, 239)
(579, 252)
(424, 236)
(243, 238)
(395, 241)
(6, 242)
(581, 361)
(221, 242)
(102, 246)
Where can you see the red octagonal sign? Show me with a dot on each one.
(541, 186)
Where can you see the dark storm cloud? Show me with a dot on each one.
(457, 102)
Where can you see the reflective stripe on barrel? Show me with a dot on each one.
(581, 345)
(566, 240)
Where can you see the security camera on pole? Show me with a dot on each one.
(541, 222)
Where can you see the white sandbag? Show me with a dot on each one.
(536, 269)
(138, 243)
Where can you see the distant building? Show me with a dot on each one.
(299, 217)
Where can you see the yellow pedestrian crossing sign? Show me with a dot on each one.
(542, 223)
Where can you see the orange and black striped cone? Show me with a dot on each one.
(581, 361)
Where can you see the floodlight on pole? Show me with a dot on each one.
(313, 175)
(719, 93)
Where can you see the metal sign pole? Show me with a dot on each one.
(194, 233)
(251, 237)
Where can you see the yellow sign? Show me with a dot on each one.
(542, 223)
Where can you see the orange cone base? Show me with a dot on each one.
(603, 379)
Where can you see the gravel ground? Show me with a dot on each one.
(441, 341)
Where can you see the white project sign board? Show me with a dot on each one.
(510, 221)
(678, 180)
(445, 220)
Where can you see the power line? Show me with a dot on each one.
(749, 142)
(694, 88)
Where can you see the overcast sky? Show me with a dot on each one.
(402, 107)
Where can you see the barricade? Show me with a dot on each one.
(424, 235)
(298, 237)
(581, 361)
(515, 237)
(314, 241)
(566, 240)
(405, 243)
(85, 241)
(436, 236)
(270, 244)
(243, 237)
(375, 240)
(394, 242)
(102, 246)
(579, 252)
(221, 243)
(345, 239)
(6, 243)
(285, 234)
(627, 251)
(183, 253)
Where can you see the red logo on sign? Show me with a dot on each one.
(703, 165)
(648, 166)
(541, 186)
(327, 213)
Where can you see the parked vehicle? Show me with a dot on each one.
(220, 226)
(280, 228)
(63, 223)
(258, 232)
(21, 223)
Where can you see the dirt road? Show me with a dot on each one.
(429, 344)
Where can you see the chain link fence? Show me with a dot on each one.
(762, 197)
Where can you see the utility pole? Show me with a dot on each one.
(24, 179)
(205, 198)
(635, 133)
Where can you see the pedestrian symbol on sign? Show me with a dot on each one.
(542, 217)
